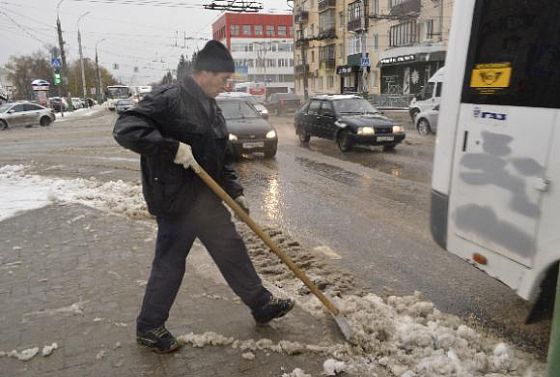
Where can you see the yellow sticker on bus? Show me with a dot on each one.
(492, 75)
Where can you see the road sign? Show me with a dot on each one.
(364, 62)
(56, 63)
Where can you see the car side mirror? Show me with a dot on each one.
(264, 116)
(11, 111)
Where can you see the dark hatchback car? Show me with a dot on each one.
(248, 131)
(348, 120)
(281, 103)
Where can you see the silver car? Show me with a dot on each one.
(24, 114)
(426, 121)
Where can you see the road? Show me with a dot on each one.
(366, 211)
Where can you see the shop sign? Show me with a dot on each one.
(346, 69)
(398, 59)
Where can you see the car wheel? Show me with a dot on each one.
(270, 152)
(303, 135)
(423, 127)
(343, 141)
(389, 147)
(45, 121)
(3, 125)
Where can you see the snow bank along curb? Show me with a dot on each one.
(406, 336)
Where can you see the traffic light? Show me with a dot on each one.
(57, 78)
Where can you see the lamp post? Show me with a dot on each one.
(82, 58)
(62, 86)
(99, 82)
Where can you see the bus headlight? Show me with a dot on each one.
(271, 134)
(366, 131)
(398, 129)
(232, 137)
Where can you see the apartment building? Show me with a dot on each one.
(262, 46)
(319, 49)
(403, 42)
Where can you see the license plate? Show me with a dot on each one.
(255, 144)
(385, 138)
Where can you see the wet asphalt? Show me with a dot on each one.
(366, 210)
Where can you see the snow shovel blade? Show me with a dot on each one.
(341, 322)
(344, 327)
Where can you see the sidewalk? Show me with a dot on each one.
(75, 276)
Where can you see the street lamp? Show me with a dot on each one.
(99, 82)
(62, 55)
(82, 58)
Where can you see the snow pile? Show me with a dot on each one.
(332, 367)
(47, 350)
(116, 197)
(30, 353)
(296, 373)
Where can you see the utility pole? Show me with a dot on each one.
(98, 81)
(363, 38)
(62, 90)
(82, 59)
(440, 20)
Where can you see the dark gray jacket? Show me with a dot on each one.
(154, 128)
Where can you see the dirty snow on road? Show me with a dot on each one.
(405, 336)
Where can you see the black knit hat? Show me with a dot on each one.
(214, 57)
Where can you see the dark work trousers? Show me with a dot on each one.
(210, 221)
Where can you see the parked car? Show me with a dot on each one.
(281, 103)
(427, 120)
(24, 114)
(248, 131)
(124, 104)
(250, 99)
(77, 103)
(58, 103)
(348, 120)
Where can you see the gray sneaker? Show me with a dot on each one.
(158, 340)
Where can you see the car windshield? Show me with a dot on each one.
(124, 102)
(5, 107)
(238, 110)
(354, 106)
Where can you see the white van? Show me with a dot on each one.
(430, 95)
(496, 175)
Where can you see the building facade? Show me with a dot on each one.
(414, 36)
(377, 46)
(319, 25)
(261, 45)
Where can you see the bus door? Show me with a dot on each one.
(508, 114)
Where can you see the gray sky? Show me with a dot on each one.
(148, 34)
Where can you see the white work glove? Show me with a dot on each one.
(242, 203)
(184, 156)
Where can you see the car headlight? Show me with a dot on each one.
(271, 134)
(366, 131)
(232, 137)
(398, 129)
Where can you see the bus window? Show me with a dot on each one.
(514, 54)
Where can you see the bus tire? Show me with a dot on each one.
(543, 307)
